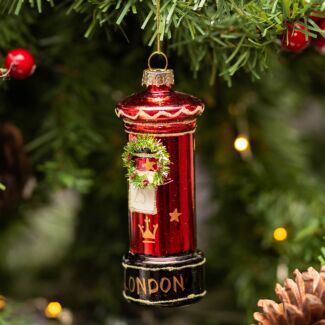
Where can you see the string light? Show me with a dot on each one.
(280, 234)
(241, 143)
(53, 309)
(3, 302)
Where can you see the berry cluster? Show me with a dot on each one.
(295, 40)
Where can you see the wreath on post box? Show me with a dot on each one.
(146, 146)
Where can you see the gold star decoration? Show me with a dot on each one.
(149, 165)
(174, 216)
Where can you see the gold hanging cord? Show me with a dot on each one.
(158, 51)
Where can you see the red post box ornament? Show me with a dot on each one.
(163, 266)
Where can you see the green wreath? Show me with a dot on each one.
(146, 144)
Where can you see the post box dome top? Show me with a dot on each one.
(159, 103)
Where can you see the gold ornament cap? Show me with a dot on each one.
(158, 77)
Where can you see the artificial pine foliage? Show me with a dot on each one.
(66, 115)
(224, 35)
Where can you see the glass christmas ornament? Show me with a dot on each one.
(163, 266)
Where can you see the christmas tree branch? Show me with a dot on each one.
(223, 36)
(15, 6)
(13, 33)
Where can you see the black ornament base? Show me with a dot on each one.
(164, 281)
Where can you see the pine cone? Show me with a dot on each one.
(302, 301)
(15, 168)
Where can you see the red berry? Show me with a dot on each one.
(295, 40)
(20, 63)
(320, 41)
(132, 137)
(145, 182)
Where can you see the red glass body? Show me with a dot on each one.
(171, 117)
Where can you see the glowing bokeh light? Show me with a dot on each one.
(280, 234)
(241, 143)
(3, 302)
(53, 309)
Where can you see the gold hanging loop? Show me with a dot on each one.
(155, 54)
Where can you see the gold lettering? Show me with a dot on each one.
(151, 289)
(141, 283)
(179, 282)
(131, 284)
(169, 284)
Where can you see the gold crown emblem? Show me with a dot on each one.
(147, 234)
